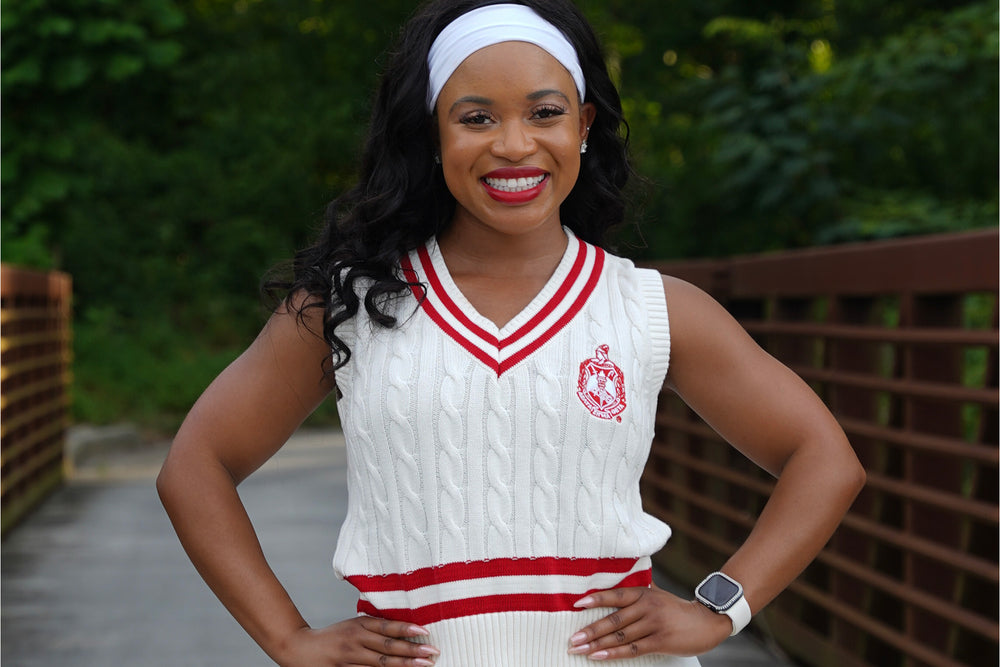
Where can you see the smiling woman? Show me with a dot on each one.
(510, 139)
(498, 387)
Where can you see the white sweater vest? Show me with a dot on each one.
(494, 473)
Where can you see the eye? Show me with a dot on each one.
(548, 111)
(475, 118)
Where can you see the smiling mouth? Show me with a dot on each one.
(515, 185)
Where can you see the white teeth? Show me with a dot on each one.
(514, 184)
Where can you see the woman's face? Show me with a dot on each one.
(510, 126)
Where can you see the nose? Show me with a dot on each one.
(513, 142)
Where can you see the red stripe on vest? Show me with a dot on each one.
(567, 317)
(552, 602)
(531, 326)
(484, 569)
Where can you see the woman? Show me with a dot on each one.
(497, 375)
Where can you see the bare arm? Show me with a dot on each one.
(241, 420)
(768, 413)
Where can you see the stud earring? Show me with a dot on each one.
(437, 158)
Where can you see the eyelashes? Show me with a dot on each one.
(548, 111)
(481, 117)
(475, 118)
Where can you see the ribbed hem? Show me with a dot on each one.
(651, 285)
(524, 639)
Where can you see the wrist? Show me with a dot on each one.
(723, 595)
(284, 648)
(718, 626)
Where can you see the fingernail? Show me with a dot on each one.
(600, 655)
(583, 602)
(578, 638)
(423, 663)
(428, 650)
(417, 630)
(577, 650)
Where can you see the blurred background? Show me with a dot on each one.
(167, 153)
(159, 157)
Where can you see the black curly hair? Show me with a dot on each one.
(401, 200)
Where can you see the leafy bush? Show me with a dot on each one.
(166, 153)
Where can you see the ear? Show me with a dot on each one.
(587, 114)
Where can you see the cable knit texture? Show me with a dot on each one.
(494, 471)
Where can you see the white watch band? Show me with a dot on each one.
(740, 615)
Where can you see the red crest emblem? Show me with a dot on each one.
(601, 386)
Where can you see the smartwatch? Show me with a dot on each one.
(724, 595)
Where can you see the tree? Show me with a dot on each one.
(807, 122)
(168, 152)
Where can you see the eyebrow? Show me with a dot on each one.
(485, 101)
(471, 99)
(545, 93)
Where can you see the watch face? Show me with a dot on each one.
(719, 591)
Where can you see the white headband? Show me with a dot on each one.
(490, 25)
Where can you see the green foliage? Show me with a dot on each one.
(807, 125)
(166, 153)
(918, 109)
(872, 214)
(69, 68)
(29, 249)
(150, 374)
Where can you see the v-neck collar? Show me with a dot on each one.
(501, 348)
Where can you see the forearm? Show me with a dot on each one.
(815, 489)
(201, 499)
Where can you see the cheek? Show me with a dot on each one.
(569, 160)
(456, 181)
(457, 167)
(568, 149)
(458, 153)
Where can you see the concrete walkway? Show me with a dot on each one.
(96, 576)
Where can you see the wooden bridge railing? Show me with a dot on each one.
(34, 386)
(900, 339)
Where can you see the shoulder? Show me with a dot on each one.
(684, 294)
(301, 314)
(621, 276)
(706, 338)
(617, 267)
(293, 338)
(692, 305)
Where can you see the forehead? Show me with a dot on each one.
(517, 68)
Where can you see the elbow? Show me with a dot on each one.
(174, 476)
(858, 477)
(843, 474)
(165, 482)
(851, 476)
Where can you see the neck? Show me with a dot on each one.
(486, 251)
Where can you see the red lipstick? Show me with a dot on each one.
(504, 186)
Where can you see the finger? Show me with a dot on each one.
(373, 659)
(615, 597)
(392, 628)
(376, 649)
(389, 638)
(624, 614)
(621, 635)
(632, 649)
(392, 648)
